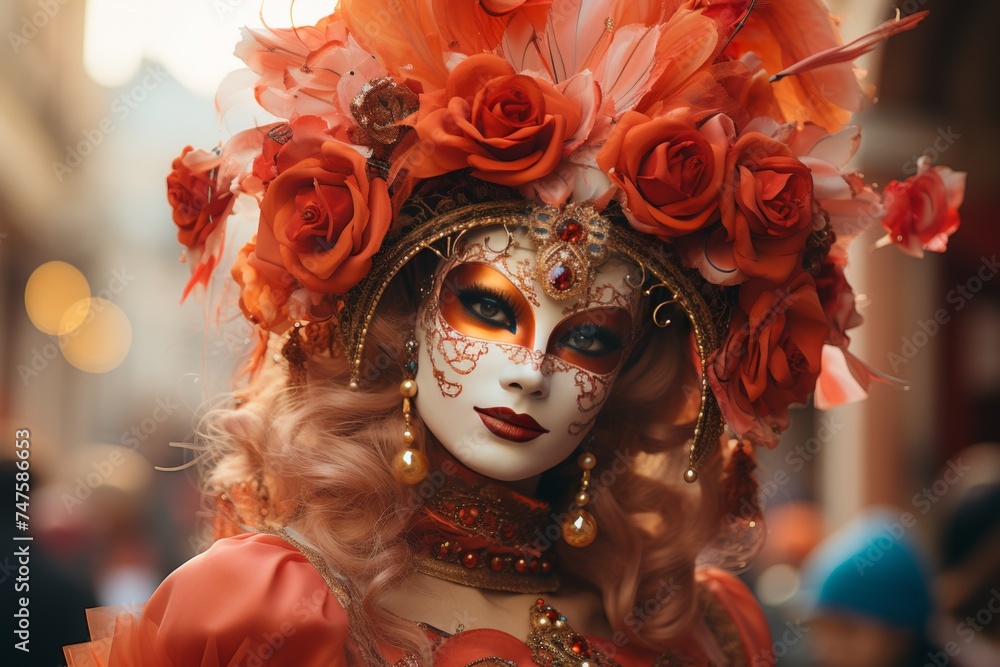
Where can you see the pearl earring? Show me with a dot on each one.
(410, 465)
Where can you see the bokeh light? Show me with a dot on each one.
(102, 341)
(51, 290)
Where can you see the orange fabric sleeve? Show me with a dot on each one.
(743, 609)
(252, 599)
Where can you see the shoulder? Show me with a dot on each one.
(735, 617)
(249, 594)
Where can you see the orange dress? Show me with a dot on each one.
(255, 599)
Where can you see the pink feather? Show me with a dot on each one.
(855, 49)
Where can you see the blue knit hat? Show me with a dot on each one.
(873, 568)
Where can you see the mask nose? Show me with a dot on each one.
(527, 377)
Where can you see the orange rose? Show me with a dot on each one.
(767, 207)
(509, 128)
(198, 207)
(921, 213)
(322, 220)
(770, 358)
(264, 288)
(669, 170)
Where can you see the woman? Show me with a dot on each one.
(517, 264)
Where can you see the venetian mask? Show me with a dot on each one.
(512, 379)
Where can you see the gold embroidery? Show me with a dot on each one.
(555, 644)
(722, 625)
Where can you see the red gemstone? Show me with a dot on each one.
(443, 551)
(561, 277)
(571, 231)
(468, 515)
(521, 565)
(470, 559)
(552, 615)
(496, 563)
(579, 647)
(546, 567)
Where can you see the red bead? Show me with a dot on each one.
(539, 602)
(468, 515)
(496, 563)
(561, 277)
(546, 567)
(470, 559)
(443, 550)
(534, 565)
(571, 231)
(521, 565)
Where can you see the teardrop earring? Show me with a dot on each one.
(410, 465)
(579, 529)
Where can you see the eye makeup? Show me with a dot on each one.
(479, 301)
(594, 339)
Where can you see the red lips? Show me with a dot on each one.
(509, 425)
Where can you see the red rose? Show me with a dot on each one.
(767, 207)
(922, 211)
(837, 297)
(322, 220)
(770, 358)
(509, 128)
(669, 170)
(199, 207)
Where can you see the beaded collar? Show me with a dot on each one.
(476, 532)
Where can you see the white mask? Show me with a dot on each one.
(510, 379)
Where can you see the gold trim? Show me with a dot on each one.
(510, 582)
(723, 627)
(359, 625)
(686, 287)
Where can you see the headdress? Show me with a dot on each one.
(705, 141)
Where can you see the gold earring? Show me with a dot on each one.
(410, 465)
(579, 529)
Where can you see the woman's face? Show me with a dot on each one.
(510, 379)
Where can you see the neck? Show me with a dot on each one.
(441, 460)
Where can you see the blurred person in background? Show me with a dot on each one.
(969, 583)
(873, 604)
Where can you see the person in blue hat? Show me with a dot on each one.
(872, 601)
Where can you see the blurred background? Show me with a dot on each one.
(98, 96)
